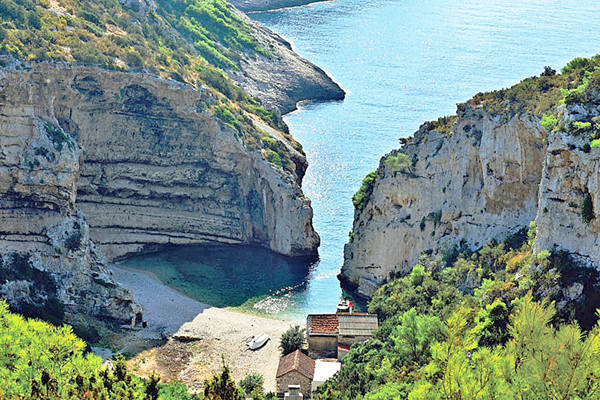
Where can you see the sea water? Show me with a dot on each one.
(401, 62)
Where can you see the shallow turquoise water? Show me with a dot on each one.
(401, 63)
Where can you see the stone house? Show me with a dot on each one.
(331, 335)
(322, 332)
(295, 369)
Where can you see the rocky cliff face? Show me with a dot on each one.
(39, 171)
(482, 175)
(569, 190)
(475, 182)
(266, 5)
(283, 78)
(142, 162)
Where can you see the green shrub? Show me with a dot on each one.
(549, 122)
(361, 198)
(41, 361)
(399, 162)
(57, 136)
(595, 144)
(222, 387)
(575, 64)
(134, 60)
(293, 339)
(587, 209)
(251, 382)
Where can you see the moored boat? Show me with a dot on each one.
(343, 306)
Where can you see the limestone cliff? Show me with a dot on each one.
(45, 250)
(530, 152)
(570, 187)
(267, 5)
(468, 187)
(142, 162)
(282, 78)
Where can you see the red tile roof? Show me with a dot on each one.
(322, 324)
(296, 361)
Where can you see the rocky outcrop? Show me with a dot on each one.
(157, 169)
(569, 190)
(101, 160)
(45, 249)
(266, 5)
(282, 78)
(474, 182)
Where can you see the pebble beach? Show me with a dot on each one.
(198, 335)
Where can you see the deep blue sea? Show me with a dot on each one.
(401, 62)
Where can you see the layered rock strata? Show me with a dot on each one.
(142, 162)
(39, 171)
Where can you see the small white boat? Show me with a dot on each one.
(258, 341)
(343, 306)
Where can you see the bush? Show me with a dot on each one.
(41, 361)
(73, 241)
(252, 382)
(134, 60)
(549, 122)
(399, 162)
(548, 71)
(361, 198)
(575, 64)
(293, 339)
(222, 387)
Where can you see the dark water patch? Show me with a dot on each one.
(223, 275)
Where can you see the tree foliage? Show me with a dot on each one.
(361, 198)
(538, 362)
(41, 361)
(252, 382)
(293, 339)
(480, 326)
(222, 387)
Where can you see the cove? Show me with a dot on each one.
(223, 275)
(401, 62)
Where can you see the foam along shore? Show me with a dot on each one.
(203, 334)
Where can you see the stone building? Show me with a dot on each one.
(322, 332)
(331, 335)
(295, 369)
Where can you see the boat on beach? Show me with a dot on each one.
(258, 341)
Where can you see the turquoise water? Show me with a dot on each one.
(403, 62)
(224, 275)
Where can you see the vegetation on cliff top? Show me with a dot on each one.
(129, 35)
(540, 97)
(193, 41)
(480, 325)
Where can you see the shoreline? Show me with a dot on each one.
(256, 6)
(200, 331)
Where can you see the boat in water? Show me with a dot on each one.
(345, 306)
(258, 341)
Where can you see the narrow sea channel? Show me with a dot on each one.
(401, 62)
